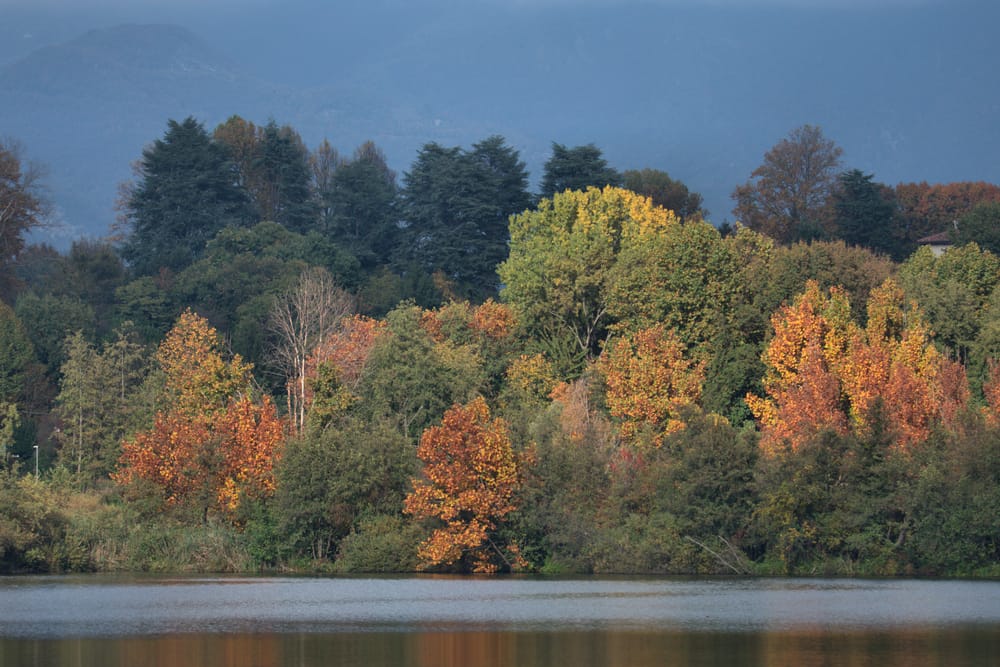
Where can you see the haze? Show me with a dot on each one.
(698, 89)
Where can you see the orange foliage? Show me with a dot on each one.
(929, 209)
(347, 349)
(649, 380)
(991, 390)
(214, 446)
(826, 373)
(250, 438)
(471, 474)
(492, 320)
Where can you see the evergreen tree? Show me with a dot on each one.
(362, 199)
(285, 195)
(456, 205)
(863, 215)
(577, 169)
(184, 196)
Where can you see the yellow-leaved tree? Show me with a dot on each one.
(471, 474)
(213, 445)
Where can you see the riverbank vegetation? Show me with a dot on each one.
(289, 360)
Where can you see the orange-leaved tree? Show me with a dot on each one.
(649, 381)
(826, 373)
(471, 474)
(336, 366)
(213, 446)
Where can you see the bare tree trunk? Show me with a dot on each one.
(302, 319)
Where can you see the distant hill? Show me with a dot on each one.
(86, 108)
(702, 93)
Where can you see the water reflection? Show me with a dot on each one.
(443, 622)
(956, 648)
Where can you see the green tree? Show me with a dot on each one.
(362, 198)
(283, 173)
(576, 168)
(786, 196)
(95, 402)
(184, 195)
(330, 478)
(48, 320)
(562, 258)
(410, 379)
(981, 226)
(17, 354)
(455, 206)
(864, 212)
(665, 192)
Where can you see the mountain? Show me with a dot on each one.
(86, 108)
(699, 91)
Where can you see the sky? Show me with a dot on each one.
(902, 85)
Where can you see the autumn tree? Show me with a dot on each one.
(786, 196)
(335, 368)
(649, 382)
(562, 255)
(825, 373)
(926, 209)
(471, 475)
(804, 394)
(302, 320)
(212, 446)
(22, 206)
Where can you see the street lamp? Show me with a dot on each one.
(36, 461)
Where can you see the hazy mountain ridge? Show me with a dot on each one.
(699, 93)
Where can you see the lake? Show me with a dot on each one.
(501, 622)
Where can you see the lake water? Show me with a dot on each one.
(501, 622)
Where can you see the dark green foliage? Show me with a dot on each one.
(954, 504)
(17, 354)
(281, 167)
(380, 543)
(184, 196)
(665, 191)
(362, 202)
(981, 226)
(576, 168)
(838, 503)
(410, 380)
(455, 207)
(48, 320)
(563, 494)
(329, 478)
(146, 303)
(863, 212)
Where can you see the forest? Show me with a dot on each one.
(291, 359)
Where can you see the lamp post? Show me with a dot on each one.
(36, 461)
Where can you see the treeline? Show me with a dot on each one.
(287, 359)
